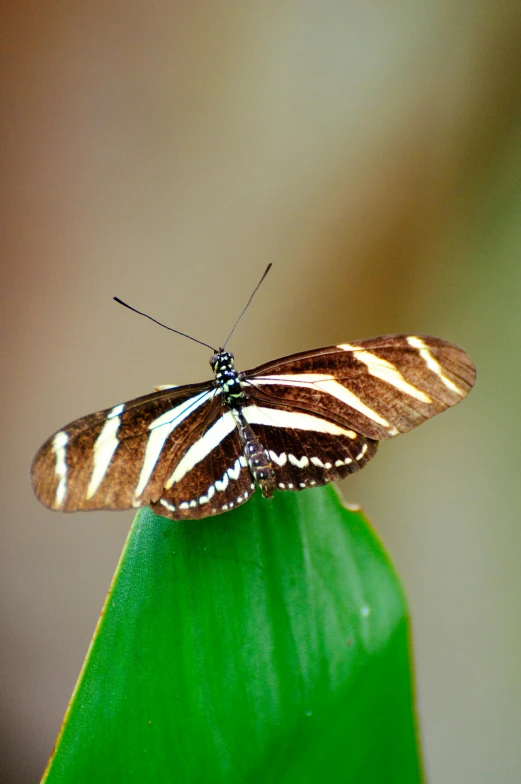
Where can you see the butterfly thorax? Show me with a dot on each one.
(228, 379)
(257, 459)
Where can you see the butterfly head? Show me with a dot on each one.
(222, 360)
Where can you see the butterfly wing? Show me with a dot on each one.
(308, 451)
(379, 387)
(117, 458)
(210, 477)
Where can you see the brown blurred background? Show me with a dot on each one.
(166, 152)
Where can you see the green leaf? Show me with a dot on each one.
(269, 644)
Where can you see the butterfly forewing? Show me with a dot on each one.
(116, 459)
(379, 387)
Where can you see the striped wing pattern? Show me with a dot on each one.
(316, 417)
(115, 459)
(305, 458)
(379, 387)
(216, 483)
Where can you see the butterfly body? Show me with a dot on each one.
(234, 397)
(290, 424)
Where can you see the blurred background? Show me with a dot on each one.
(166, 152)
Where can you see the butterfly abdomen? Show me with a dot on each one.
(257, 458)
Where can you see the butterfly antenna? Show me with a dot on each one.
(164, 325)
(247, 304)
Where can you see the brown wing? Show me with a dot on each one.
(303, 458)
(117, 458)
(378, 387)
(211, 476)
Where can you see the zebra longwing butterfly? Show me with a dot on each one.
(293, 423)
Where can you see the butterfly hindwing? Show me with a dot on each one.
(211, 477)
(307, 458)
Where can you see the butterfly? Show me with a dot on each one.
(293, 423)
